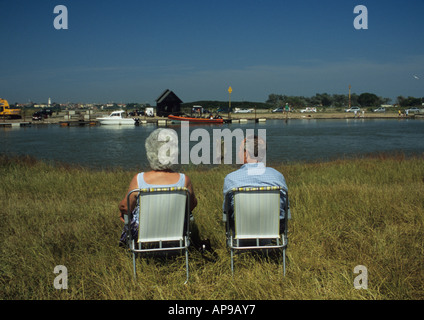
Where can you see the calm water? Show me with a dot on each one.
(304, 140)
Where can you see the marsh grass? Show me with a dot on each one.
(345, 213)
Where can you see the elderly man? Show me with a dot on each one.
(253, 173)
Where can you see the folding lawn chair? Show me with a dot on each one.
(256, 220)
(164, 217)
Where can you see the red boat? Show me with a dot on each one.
(196, 120)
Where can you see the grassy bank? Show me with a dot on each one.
(345, 213)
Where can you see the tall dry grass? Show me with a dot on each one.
(345, 213)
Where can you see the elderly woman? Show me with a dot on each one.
(162, 152)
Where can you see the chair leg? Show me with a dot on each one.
(186, 254)
(232, 261)
(284, 262)
(135, 273)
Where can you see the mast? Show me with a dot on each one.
(349, 97)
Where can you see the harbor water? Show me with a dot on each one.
(304, 140)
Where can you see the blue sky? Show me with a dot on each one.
(131, 51)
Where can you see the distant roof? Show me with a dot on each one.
(168, 94)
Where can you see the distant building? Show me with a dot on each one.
(168, 103)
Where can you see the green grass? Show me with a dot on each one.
(345, 213)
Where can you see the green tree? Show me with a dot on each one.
(400, 100)
(325, 99)
(409, 102)
(368, 100)
(340, 100)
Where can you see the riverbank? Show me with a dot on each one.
(345, 213)
(258, 116)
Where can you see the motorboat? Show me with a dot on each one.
(117, 118)
(196, 120)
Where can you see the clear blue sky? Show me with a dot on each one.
(130, 51)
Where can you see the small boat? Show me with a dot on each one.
(117, 118)
(196, 120)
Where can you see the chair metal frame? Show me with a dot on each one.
(280, 237)
(182, 238)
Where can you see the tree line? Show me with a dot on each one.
(340, 100)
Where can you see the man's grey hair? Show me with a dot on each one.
(162, 149)
(255, 147)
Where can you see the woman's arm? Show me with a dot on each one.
(123, 207)
(193, 199)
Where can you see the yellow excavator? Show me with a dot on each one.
(9, 112)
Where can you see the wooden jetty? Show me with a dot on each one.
(78, 123)
(15, 124)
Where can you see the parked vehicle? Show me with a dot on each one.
(37, 116)
(136, 113)
(42, 114)
(308, 109)
(149, 112)
(278, 110)
(353, 109)
(243, 111)
(413, 110)
(380, 109)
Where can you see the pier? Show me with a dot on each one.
(235, 119)
(78, 123)
(15, 124)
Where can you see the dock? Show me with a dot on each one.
(72, 121)
(78, 123)
(15, 124)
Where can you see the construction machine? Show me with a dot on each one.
(7, 111)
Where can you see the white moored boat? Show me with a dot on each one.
(117, 118)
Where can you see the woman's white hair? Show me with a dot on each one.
(162, 148)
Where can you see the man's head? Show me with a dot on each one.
(252, 149)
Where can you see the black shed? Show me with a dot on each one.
(168, 103)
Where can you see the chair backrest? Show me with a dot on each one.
(257, 212)
(163, 214)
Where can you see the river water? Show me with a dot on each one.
(295, 140)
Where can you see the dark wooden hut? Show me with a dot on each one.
(168, 103)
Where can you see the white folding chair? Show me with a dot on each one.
(164, 217)
(256, 218)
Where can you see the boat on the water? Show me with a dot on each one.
(196, 120)
(117, 118)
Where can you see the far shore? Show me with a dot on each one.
(260, 114)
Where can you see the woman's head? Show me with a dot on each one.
(162, 149)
